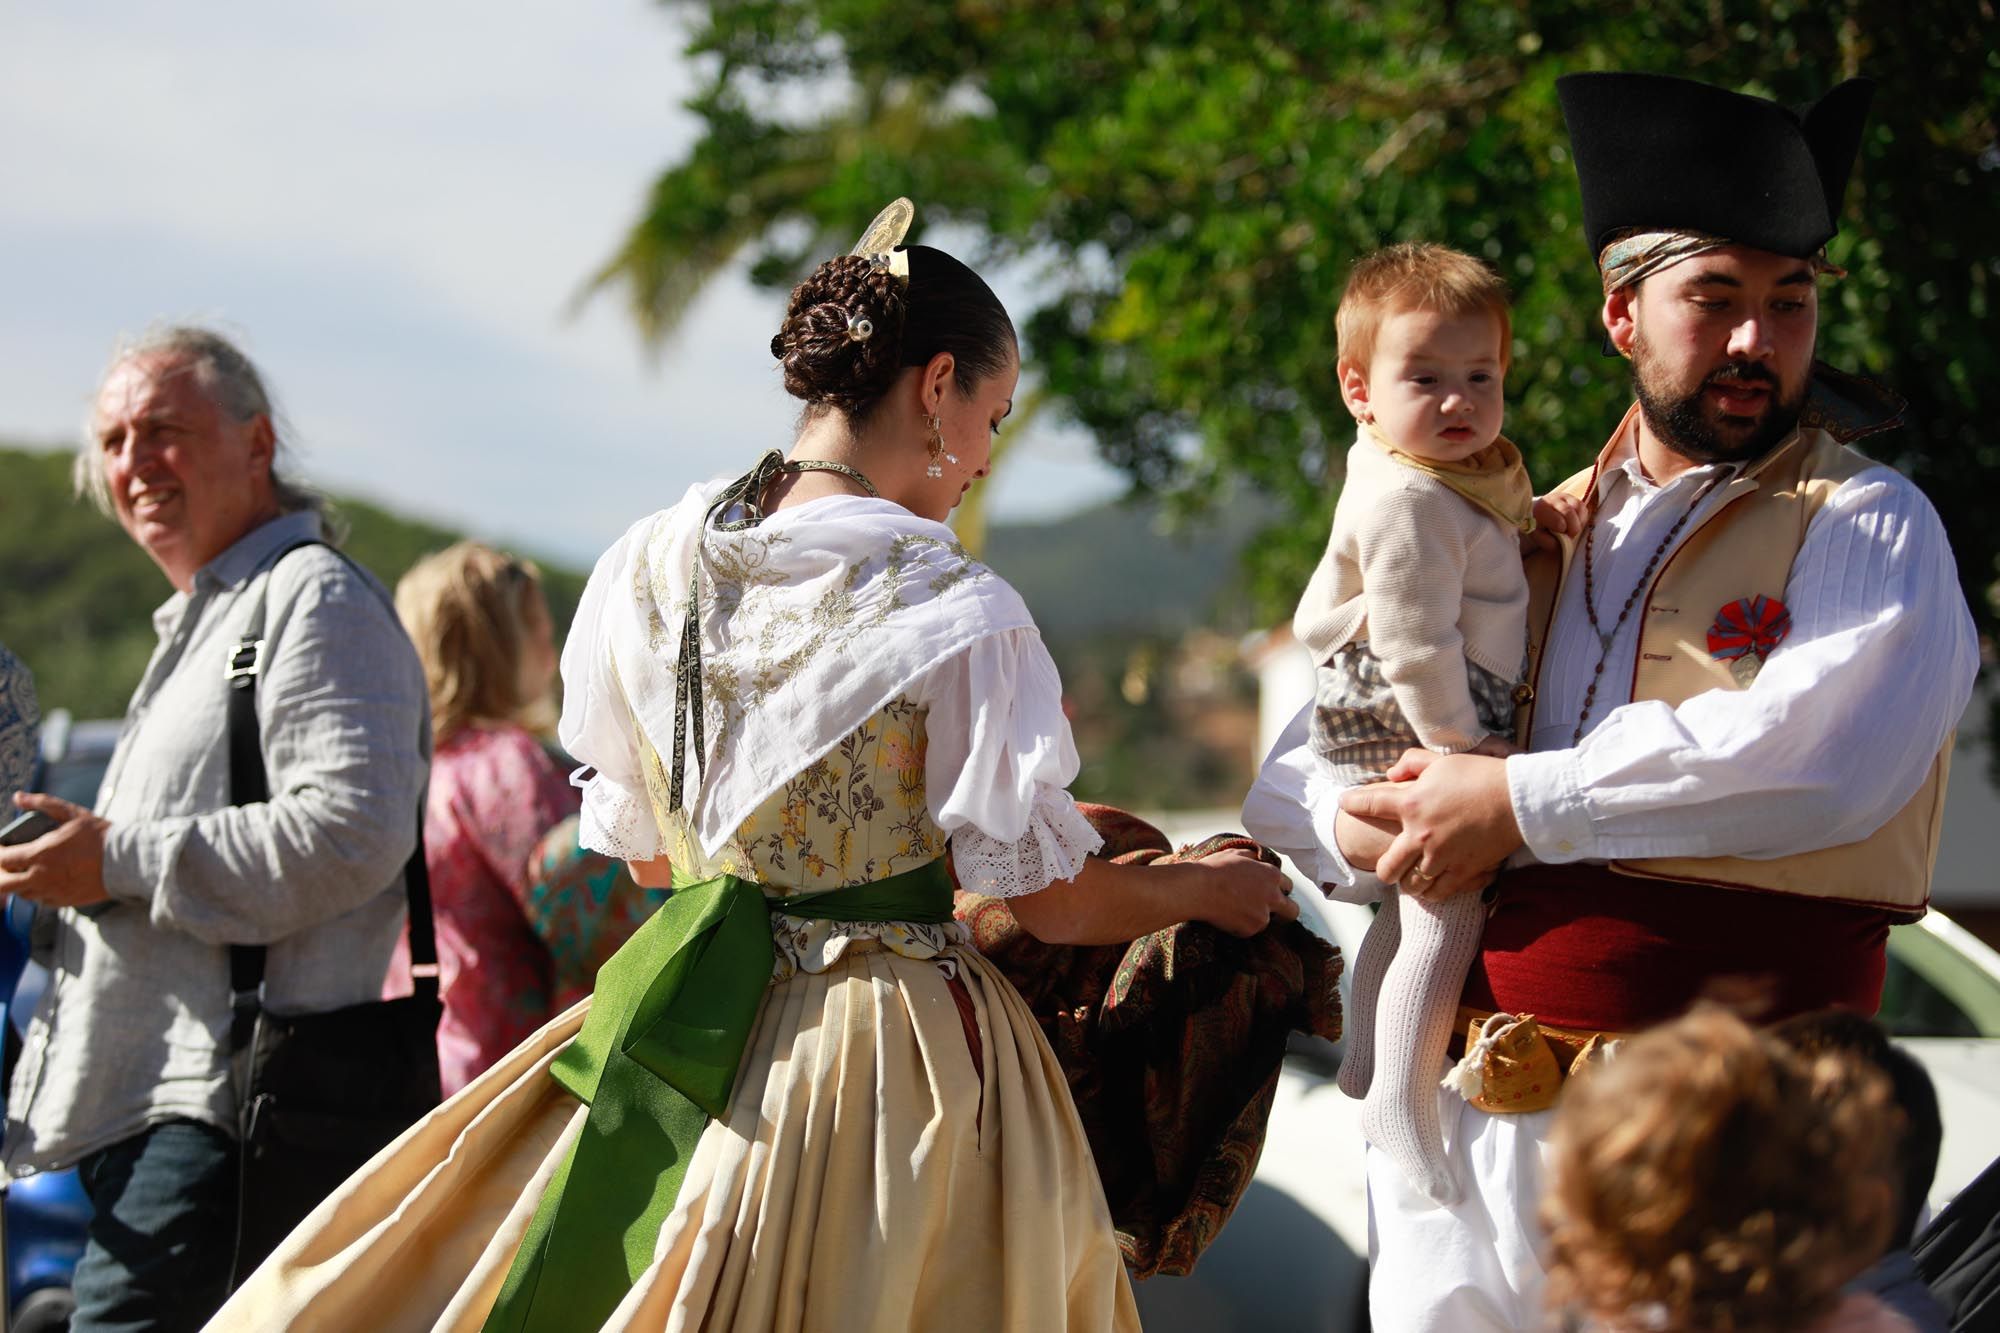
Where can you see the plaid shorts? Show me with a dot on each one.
(1359, 730)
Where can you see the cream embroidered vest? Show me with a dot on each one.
(1745, 547)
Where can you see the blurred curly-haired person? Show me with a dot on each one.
(1919, 1137)
(1708, 1177)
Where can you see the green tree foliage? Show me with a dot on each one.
(1190, 179)
(77, 600)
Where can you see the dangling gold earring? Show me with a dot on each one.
(936, 448)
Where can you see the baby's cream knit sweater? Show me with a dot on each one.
(1427, 578)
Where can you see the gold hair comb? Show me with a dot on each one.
(878, 243)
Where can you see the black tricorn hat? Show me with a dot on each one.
(1656, 153)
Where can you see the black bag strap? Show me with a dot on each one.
(249, 784)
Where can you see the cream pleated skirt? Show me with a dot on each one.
(871, 1175)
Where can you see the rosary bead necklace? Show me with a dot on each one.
(1605, 637)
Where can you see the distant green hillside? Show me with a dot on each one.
(76, 596)
(1114, 570)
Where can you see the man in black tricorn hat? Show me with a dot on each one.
(1744, 671)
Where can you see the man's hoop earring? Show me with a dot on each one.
(937, 450)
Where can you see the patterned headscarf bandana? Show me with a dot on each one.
(1640, 254)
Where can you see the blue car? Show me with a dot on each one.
(43, 1219)
(44, 1215)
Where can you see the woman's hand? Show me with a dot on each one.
(1111, 902)
(1242, 895)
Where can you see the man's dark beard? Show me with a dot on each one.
(1683, 427)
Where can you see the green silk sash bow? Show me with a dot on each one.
(656, 1060)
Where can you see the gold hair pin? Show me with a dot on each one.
(878, 244)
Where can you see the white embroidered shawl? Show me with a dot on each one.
(811, 622)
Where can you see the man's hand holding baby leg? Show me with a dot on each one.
(1455, 817)
(1363, 841)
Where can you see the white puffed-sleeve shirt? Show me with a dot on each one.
(1000, 755)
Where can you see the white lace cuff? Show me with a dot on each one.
(1057, 840)
(615, 821)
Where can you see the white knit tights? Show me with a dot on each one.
(1407, 980)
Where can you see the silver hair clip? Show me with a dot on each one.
(860, 328)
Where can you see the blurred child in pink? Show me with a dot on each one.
(482, 629)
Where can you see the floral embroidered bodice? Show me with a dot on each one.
(854, 816)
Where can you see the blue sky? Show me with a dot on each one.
(394, 206)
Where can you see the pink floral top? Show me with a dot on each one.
(494, 793)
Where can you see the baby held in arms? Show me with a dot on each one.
(1416, 621)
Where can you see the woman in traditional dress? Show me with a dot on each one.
(797, 1099)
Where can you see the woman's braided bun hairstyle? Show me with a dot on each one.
(1717, 1179)
(943, 306)
(824, 362)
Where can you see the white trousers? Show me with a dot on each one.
(1475, 1267)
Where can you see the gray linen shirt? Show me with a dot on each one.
(134, 1026)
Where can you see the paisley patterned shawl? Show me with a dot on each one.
(811, 622)
(1171, 1045)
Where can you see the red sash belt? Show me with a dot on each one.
(1584, 947)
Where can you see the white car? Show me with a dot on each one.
(1294, 1257)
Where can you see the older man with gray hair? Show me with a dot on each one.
(127, 1067)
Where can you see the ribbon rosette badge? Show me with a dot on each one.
(1745, 631)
